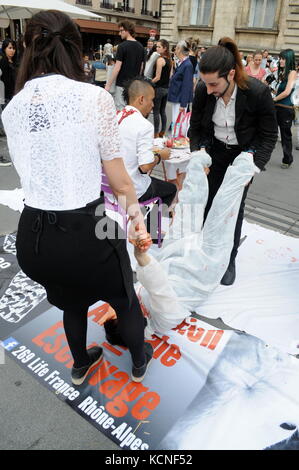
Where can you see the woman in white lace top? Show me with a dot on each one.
(59, 130)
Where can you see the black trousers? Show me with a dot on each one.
(62, 251)
(160, 103)
(166, 191)
(221, 159)
(285, 118)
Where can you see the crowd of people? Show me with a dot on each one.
(73, 135)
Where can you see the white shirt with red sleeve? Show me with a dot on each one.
(137, 137)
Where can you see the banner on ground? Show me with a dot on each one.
(137, 416)
(206, 388)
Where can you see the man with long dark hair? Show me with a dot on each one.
(231, 113)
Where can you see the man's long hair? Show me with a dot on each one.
(222, 59)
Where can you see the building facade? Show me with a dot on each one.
(253, 24)
(146, 14)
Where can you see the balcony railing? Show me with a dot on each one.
(87, 3)
(146, 12)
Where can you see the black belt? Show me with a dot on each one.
(53, 218)
(226, 145)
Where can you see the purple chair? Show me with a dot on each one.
(114, 206)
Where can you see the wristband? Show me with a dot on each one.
(156, 154)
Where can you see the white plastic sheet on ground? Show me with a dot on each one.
(264, 300)
(13, 199)
(193, 260)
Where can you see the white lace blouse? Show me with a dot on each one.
(58, 131)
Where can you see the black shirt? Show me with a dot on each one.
(193, 61)
(165, 74)
(8, 77)
(131, 54)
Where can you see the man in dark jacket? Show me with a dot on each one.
(231, 113)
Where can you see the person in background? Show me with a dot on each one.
(58, 149)
(254, 68)
(287, 76)
(297, 112)
(193, 56)
(148, 49)
(129, 61)
(201, 52)
(109, 68)
(265, 58)
(161, 83)
(174, 58)
(8, 68)
(249, 58)
(3, 161)
(271, 76)
(180, 93)
(8, 65)
(242, 59)
(89, 70)
(150, 63)
(231, 113)
(108, 51)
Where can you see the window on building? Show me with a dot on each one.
(262, 13)
(144, 7)
(106, 4)
(201, 12)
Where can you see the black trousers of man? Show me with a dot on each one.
(166, 191)
(285, 117)
(222, 157)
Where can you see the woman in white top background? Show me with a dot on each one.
(59, 131)
(150, 63)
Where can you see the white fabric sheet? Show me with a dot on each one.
(264, 300)
(192, 260)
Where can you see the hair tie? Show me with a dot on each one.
(51, 34)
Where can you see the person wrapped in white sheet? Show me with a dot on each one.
(193, 258)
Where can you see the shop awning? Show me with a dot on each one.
(105, 27)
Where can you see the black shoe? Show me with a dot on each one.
(230, 275)
(78, 375)
(297, 147)
(138, 373)
(4, 161)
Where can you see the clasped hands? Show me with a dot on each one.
(138, 235)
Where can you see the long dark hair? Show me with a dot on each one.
(222, 59)
(52, 45)
(165, 45)
(290, 64)
(5, 45)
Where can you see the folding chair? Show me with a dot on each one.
(114, 206)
